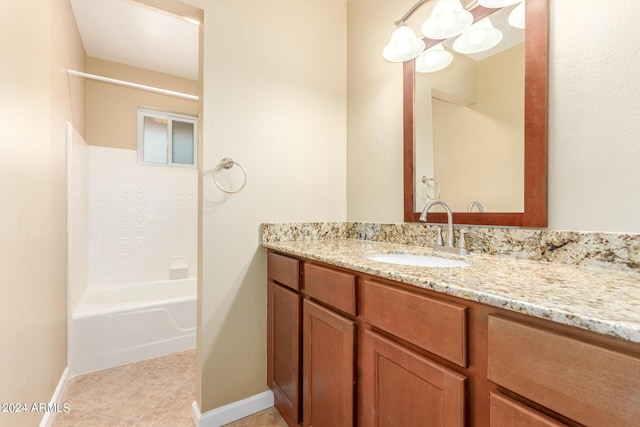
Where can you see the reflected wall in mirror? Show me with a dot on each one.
(478, 128)
(471, 115)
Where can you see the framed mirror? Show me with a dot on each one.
(528, 207)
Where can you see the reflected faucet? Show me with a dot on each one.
(475, 204)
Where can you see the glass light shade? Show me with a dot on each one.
(448, 19)
(403, 46)
(496, 4)
(433, 59)
(516, 17)
(480, 37)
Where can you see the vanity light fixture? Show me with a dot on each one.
(480, 37)
(448, 19)
(434, 59)
(497, 4)
(404, 45)
(516, 17)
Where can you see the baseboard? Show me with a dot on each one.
(47, 419)
(231, 412)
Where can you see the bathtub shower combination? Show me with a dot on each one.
(122, 324)
(131, 239)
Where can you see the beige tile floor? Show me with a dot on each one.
(267, 418)
(152, 393)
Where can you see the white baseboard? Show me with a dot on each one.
(47, 419)
(231, 412)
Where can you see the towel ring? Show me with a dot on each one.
(431, 183)
(228, 163)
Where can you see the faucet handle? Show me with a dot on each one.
(462, 243)
(439, 240)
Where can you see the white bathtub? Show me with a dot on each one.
(122, 324)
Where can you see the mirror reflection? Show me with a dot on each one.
(469, 126)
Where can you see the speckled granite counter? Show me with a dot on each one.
(597, 299)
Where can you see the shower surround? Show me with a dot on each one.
(131, 226)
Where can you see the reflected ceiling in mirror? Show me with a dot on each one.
(520, 199)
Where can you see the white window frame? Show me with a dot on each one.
(169, 117)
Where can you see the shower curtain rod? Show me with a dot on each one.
(134, 85)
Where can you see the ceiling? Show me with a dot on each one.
(135, 34)
(132, 33)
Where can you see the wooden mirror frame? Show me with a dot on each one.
(535, 131)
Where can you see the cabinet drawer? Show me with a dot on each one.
(284, 270)
(437, 326)
(506, 412)
(590, 384)
(332, 287)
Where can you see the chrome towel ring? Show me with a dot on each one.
(432, 188)
(228, 163)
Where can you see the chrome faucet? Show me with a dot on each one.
(461, 249)
(475, 204)
(446, 207)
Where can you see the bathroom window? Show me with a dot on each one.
(166, 138)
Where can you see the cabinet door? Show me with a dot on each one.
(283, 351)
(401, 388)
(328, 367)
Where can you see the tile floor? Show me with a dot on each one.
(267, 418)
(152, 393)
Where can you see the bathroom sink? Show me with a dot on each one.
(417, 260)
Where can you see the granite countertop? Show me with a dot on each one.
(596, 299)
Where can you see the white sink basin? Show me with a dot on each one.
(417, 260)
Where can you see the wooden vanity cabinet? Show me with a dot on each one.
(283, 335)
(311, 331)
(349, 349)
(400, 387)
(329, 331)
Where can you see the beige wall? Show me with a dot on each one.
(374, 113)
(593, 104)
(37, 46)
(594, 94)
(112, 109)
(275, 101)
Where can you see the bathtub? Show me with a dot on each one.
(121, 324)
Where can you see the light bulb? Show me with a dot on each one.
(448, 19)
(476, 37)
(404, 45)
(517, 16)
(433, 59)
(480, 37)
